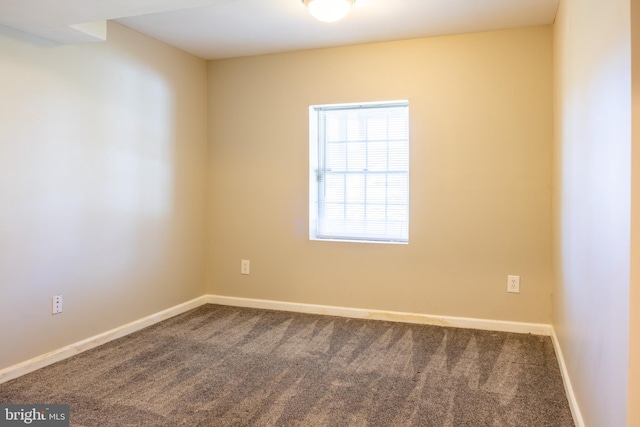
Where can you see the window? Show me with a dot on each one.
(359, 172)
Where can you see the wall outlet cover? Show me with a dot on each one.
(513, 284)
(245, 266)
(56, 302)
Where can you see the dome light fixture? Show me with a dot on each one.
(329, 10)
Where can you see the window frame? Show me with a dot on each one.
(314, 170)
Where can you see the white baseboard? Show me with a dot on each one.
(54, 356)
(393, 316)
(568, 388)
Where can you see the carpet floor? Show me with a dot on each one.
(229, 366)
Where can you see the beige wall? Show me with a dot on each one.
(102, 184)
(592, 197)
(481, 144)
(634, 307)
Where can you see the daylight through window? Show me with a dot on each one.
(359, 183)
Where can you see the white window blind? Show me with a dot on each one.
(360, 172)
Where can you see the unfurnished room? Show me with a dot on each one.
(320, 213)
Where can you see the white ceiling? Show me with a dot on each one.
(214, 29)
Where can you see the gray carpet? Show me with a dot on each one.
(228, 366)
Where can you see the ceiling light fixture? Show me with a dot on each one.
(328, 10)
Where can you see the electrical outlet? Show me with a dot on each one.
(245, 266)
(56, 302)
(513, 284)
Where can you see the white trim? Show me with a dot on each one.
(54, 356)
(568, 388)
(393, 316)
